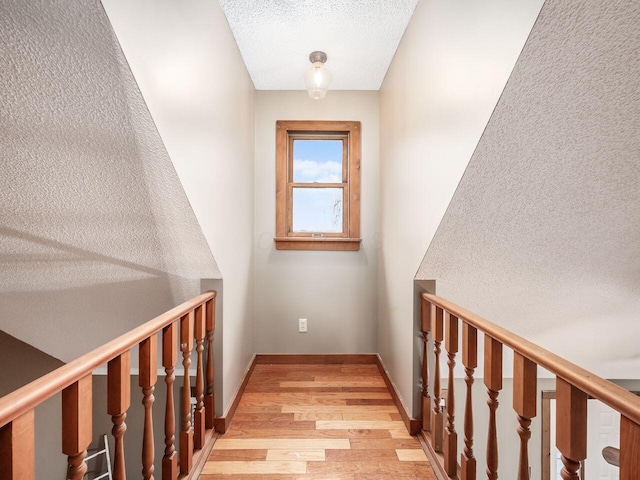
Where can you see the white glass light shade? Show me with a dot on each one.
(317, 77)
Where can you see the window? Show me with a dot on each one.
(317, 185)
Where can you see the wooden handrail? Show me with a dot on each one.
(616, 397)
(26, 398)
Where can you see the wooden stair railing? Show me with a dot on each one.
(573, 386)
(194, 319)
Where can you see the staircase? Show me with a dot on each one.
(187, 330)
(445, 324)
(288, 403)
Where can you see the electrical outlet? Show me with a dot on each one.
(302, 325)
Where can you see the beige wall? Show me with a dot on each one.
(21, 364)
(439, 92)
(201, 98)
(335, 291)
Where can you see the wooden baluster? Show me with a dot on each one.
(629, 449)
(199, 420)
(118, 402)
(148, 361)
(525, 374)
(77, 425)
(470, 362)
(571, 427)
(186, 432)
(209, 398)
(437, 421)
(169, 360)
(17, 449)
(451, 437)
(493, 382)
(426, 399)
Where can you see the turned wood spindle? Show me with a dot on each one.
(169, 360)
(118, 402)
(17, 448)
(571, 427)
(470, 362)
(451, 436)
(77, 430)
(493, 382)
(426, 399)
(437, 421)
(209, 398)
(524, 403)
(199, 420)
(186, 430)
(148, 361)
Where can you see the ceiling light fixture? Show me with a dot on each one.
(317, 76)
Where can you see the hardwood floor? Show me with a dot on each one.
(298, 422)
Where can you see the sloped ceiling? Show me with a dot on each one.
(96, 232)
(543, 233)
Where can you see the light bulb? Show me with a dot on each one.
(317, 76)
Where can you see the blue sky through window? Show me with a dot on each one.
(317, 161)
(317, 209)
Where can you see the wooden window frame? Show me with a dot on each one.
(286, 132)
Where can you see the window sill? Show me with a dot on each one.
(309, 243)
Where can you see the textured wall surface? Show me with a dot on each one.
(192, 77)
(543, 233)
(96, 233)
(335, 291)
(437, 97)
(276, 38)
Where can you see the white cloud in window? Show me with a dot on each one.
(321, 172)
(317, 209)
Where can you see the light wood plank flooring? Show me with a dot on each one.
(298, 422)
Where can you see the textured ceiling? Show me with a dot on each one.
(543, 233)
(94, 221)
(360, 38)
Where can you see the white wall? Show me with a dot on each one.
(437, 97)
(200, 95)
(335, 291)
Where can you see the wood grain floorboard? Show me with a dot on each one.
(313, 422)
